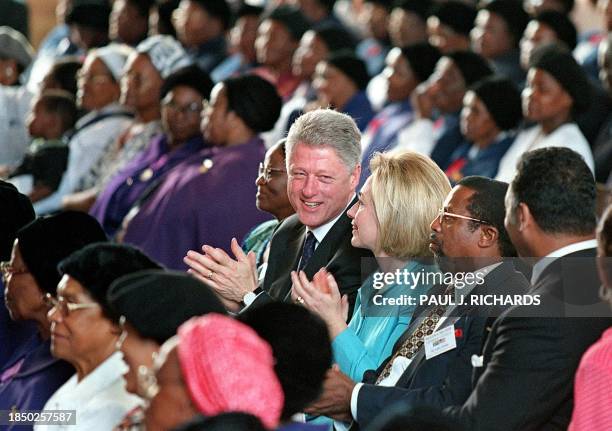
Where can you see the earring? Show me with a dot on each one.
(123, 335)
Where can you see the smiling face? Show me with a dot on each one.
(22, 296)
(544, 99)
(80, 334)
(320, 184)
(365, 222)
(272, 193)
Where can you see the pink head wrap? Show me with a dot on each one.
(228, 368)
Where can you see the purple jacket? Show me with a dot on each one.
(31, 376)
(207, 199)
(124, 190)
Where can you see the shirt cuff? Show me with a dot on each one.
(354, 398)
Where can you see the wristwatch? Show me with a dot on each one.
(249, 297)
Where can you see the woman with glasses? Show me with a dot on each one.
(32, 374)
(208, 199)
(148, 65)
(182, 96)
(84, 333)
(391, 218)
(143, 328)
(98, 83)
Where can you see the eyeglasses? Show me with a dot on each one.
(268, 173)
(65, 307)
(190, 109)
(8, 270)
(442, 217)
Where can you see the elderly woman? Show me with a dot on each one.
(18, 212)
(214, 365)
(391, 218)
(592, 396)
(181, 102)
(208, 199)
(145, 70)
(31, 375)
(83, 334)
(138, 301)
(98, 94)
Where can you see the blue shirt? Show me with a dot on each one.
(360, 109)
(374, 329)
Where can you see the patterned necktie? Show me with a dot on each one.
(413, 343)
(308, 250)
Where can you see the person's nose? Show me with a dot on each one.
(435, 224)
(54, 316)
(310, 187)
(352, 210)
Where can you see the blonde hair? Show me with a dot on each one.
(407, 190)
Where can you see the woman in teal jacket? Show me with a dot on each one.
(391, 218)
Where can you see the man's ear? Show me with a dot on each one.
(489, 236)
(524, 218)
(355, 175)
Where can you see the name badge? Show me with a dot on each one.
(440, 342)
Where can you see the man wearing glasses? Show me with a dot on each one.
(468, 236)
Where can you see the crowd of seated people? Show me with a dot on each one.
(307, 215)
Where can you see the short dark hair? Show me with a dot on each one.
(62, 104)
(487, 203)
(142, 6)
(97, 265)
(254, 100)
(559, 189)
(302, 350)
(64, 72)
(189, 76)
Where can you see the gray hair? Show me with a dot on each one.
(326, 127)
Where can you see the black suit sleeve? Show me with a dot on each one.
(525, 381)
(454, 369)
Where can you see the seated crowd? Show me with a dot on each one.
(307, 215)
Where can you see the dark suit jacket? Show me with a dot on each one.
(530, 362)
(446, 379)
(335, 253)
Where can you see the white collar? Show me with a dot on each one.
(319, 232)
(104, 375)
(543, 263)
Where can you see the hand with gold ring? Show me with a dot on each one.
(231, 278)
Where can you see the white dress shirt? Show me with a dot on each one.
(567, 135)
(100, 399)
